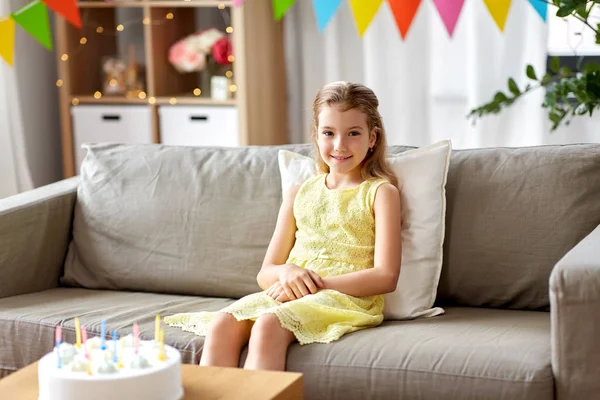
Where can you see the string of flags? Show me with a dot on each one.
(33, 17)
(404, 11)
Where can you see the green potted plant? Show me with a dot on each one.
(569, 93)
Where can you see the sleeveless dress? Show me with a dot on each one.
(335, 235)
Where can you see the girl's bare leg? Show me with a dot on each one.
(268, 345)
(225, 340)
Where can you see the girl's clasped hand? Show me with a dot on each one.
(294, 283)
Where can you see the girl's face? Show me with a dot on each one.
(343, 138)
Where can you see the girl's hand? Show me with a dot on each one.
(298, 282)
(277, 293)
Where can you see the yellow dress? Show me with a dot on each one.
(335, 235)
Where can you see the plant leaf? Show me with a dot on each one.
(555, 64)
(531, 72)
(512, 86)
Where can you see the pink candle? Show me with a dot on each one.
(58, 335)
(84, 340)
(136, 337)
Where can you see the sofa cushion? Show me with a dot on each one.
(467, 353)
(512, 214)
(184, 220)
(27, 322)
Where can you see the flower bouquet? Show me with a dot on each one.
(206, 50)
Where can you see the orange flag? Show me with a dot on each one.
(404, 12)
(66, 8)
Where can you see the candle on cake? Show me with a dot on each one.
(161, 351)
(103, 335)
(136, 337)
(58, 341)
(115, 341)
(77, 334)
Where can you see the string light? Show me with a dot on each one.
(143, 95)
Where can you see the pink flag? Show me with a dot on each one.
(449, 11)
(237, 3)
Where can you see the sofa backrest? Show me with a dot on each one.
(198, 221)
(511, 214)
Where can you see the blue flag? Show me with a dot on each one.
(324, 10)
(541, 8)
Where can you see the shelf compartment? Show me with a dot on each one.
(165, 32)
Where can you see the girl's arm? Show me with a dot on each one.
(383, 278)
(295, 281)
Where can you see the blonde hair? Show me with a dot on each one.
(346, 96)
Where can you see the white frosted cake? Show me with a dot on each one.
(148, 373)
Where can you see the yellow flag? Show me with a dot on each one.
(364, 11)
(7, 39)
(499, 10)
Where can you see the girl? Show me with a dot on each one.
(335, 251)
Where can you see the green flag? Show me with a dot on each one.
(34, 19)
(280, 7)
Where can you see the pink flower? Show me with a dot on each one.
(221, 51)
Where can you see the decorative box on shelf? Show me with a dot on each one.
(107, 123)
(199, 125)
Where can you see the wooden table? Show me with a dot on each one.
(204, 383)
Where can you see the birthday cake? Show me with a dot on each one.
(125, 368)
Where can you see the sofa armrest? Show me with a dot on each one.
(35, 228)
(575, 320)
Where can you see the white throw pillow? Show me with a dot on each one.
(422, 175)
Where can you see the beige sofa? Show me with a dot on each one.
(152, 229)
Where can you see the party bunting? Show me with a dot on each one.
(404, 12)
(364, 11)
(67, 8)
(541, 7)
(34, 19)
(237, 3)
(499, 11)
(325, 10)
(449, 11)
(7, 44)
(280, 7)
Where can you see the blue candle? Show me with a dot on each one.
(115, 346)
(102, 335)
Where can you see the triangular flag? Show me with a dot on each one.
(66, 8)
(404, 12)
(280, 7)
(7, 39)
(237, 3)
(449, 10)
(34, 19)
(541, 7)
(499, 10)
(325, 10)
(364, 11)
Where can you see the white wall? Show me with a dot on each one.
(36, 82)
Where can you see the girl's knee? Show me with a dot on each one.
(224, 323)
(268, 327)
